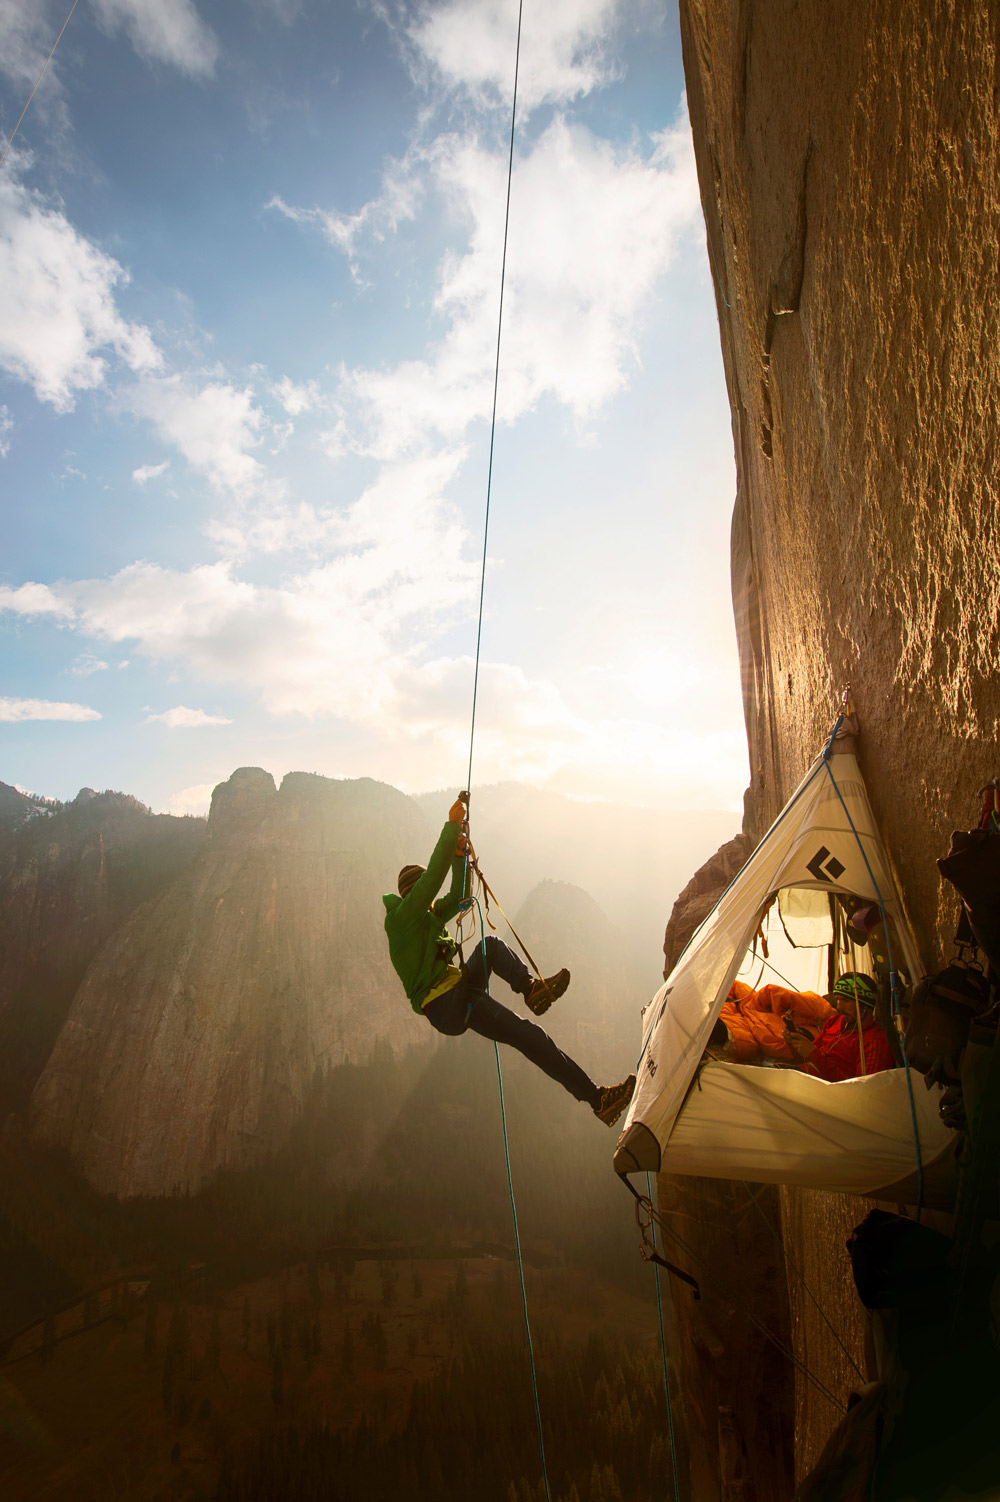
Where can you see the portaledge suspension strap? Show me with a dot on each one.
(647, 1248)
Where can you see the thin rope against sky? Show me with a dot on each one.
(38, 80)
(496, 382)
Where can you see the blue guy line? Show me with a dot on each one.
(893, 978)
(781, 817)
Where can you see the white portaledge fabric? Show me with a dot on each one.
(778, 1126)
(770, 1125)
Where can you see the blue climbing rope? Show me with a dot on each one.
(663, 1353)
(781, 817)
(513, 1216)
(893, 975)
(496, 385)
(472, 739)
(520, 1273)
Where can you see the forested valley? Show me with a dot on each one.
(345, 1320)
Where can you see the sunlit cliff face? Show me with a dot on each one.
(203, 1020)
(860, 362)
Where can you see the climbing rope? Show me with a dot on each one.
(517, 1247)
(38, 80)
(468, 781)
(496, 384)
(893, 974)
(663, 1356)
(724, 1288)
(801, 1277)
(781, 817)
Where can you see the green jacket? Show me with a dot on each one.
(420, 946)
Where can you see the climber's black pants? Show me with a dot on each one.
(470, 1005)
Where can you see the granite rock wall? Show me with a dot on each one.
(68, 879)
(850, 177)
(849, 171)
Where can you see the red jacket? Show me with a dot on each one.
(836, 1055)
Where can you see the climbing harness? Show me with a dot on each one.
(38, 80)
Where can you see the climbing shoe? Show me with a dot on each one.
(612, 1100)
(544, 992)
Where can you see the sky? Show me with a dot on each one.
(250, 260)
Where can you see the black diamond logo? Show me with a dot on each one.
(825, 867)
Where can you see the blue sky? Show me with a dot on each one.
(249, 270)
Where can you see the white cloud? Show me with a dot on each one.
(213, 426)
(35, 600)
(593, 228)
(182, 718)
(6, 428)
(149, 472)
(298, 399)
(399, 200)
(163, 31)
(86, 664)
(471, 46)
(15, 710)
(337, 639)
(58, 316)
(193, 800)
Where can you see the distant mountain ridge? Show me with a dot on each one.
(17, 806)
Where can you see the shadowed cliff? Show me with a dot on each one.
(69, 876)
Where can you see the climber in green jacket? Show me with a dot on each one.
(454, 997)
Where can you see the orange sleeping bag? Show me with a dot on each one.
(755, 1021)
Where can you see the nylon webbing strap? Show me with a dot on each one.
(491, 894)
(647, 1250)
